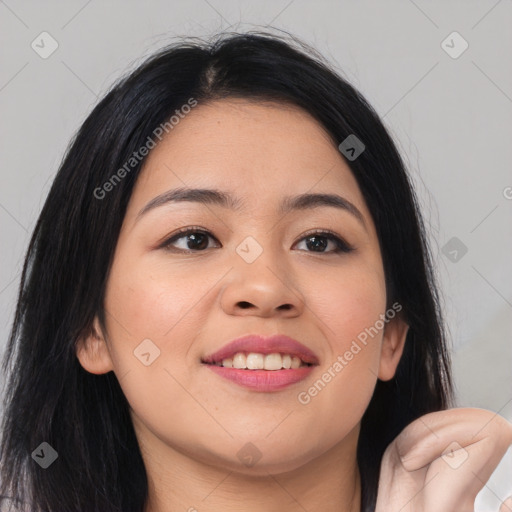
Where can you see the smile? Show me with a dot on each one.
(255, 361)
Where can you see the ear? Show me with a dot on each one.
(92, 351)
(393, 343)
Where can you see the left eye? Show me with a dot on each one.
(319, 241)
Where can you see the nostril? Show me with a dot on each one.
(243, 304)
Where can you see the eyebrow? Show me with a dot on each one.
(219, 198)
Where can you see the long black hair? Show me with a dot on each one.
(50, 398)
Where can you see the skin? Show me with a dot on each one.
(191, 423)
(419, 473)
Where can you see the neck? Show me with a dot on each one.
(330, 482)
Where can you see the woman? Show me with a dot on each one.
(228, 302)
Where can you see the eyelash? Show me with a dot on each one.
(341, 245)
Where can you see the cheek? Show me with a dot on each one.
(350, 310)
(146, 319)
(349, 304)
(148, 301)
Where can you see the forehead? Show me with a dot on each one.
(258, 151)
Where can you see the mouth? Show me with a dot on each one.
(256, 352)
(258, 361)
(263, 363)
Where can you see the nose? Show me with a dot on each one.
(262, 288)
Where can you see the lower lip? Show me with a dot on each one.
(263, 380)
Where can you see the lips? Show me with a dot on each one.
(254, 343)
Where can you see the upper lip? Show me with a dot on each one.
(277, 343)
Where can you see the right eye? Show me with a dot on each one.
(191, 239)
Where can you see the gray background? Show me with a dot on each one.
(452, 119)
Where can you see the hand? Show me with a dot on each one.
(441, 461)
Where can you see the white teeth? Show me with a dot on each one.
(295, 362)
(255, 361)
(273, 362)
(239, 361)
(227, 363)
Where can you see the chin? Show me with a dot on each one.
(254, 459)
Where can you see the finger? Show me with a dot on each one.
(445, 485)
(449, 433)
(435, 474)
(459, 479)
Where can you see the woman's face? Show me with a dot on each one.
(255, 270)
